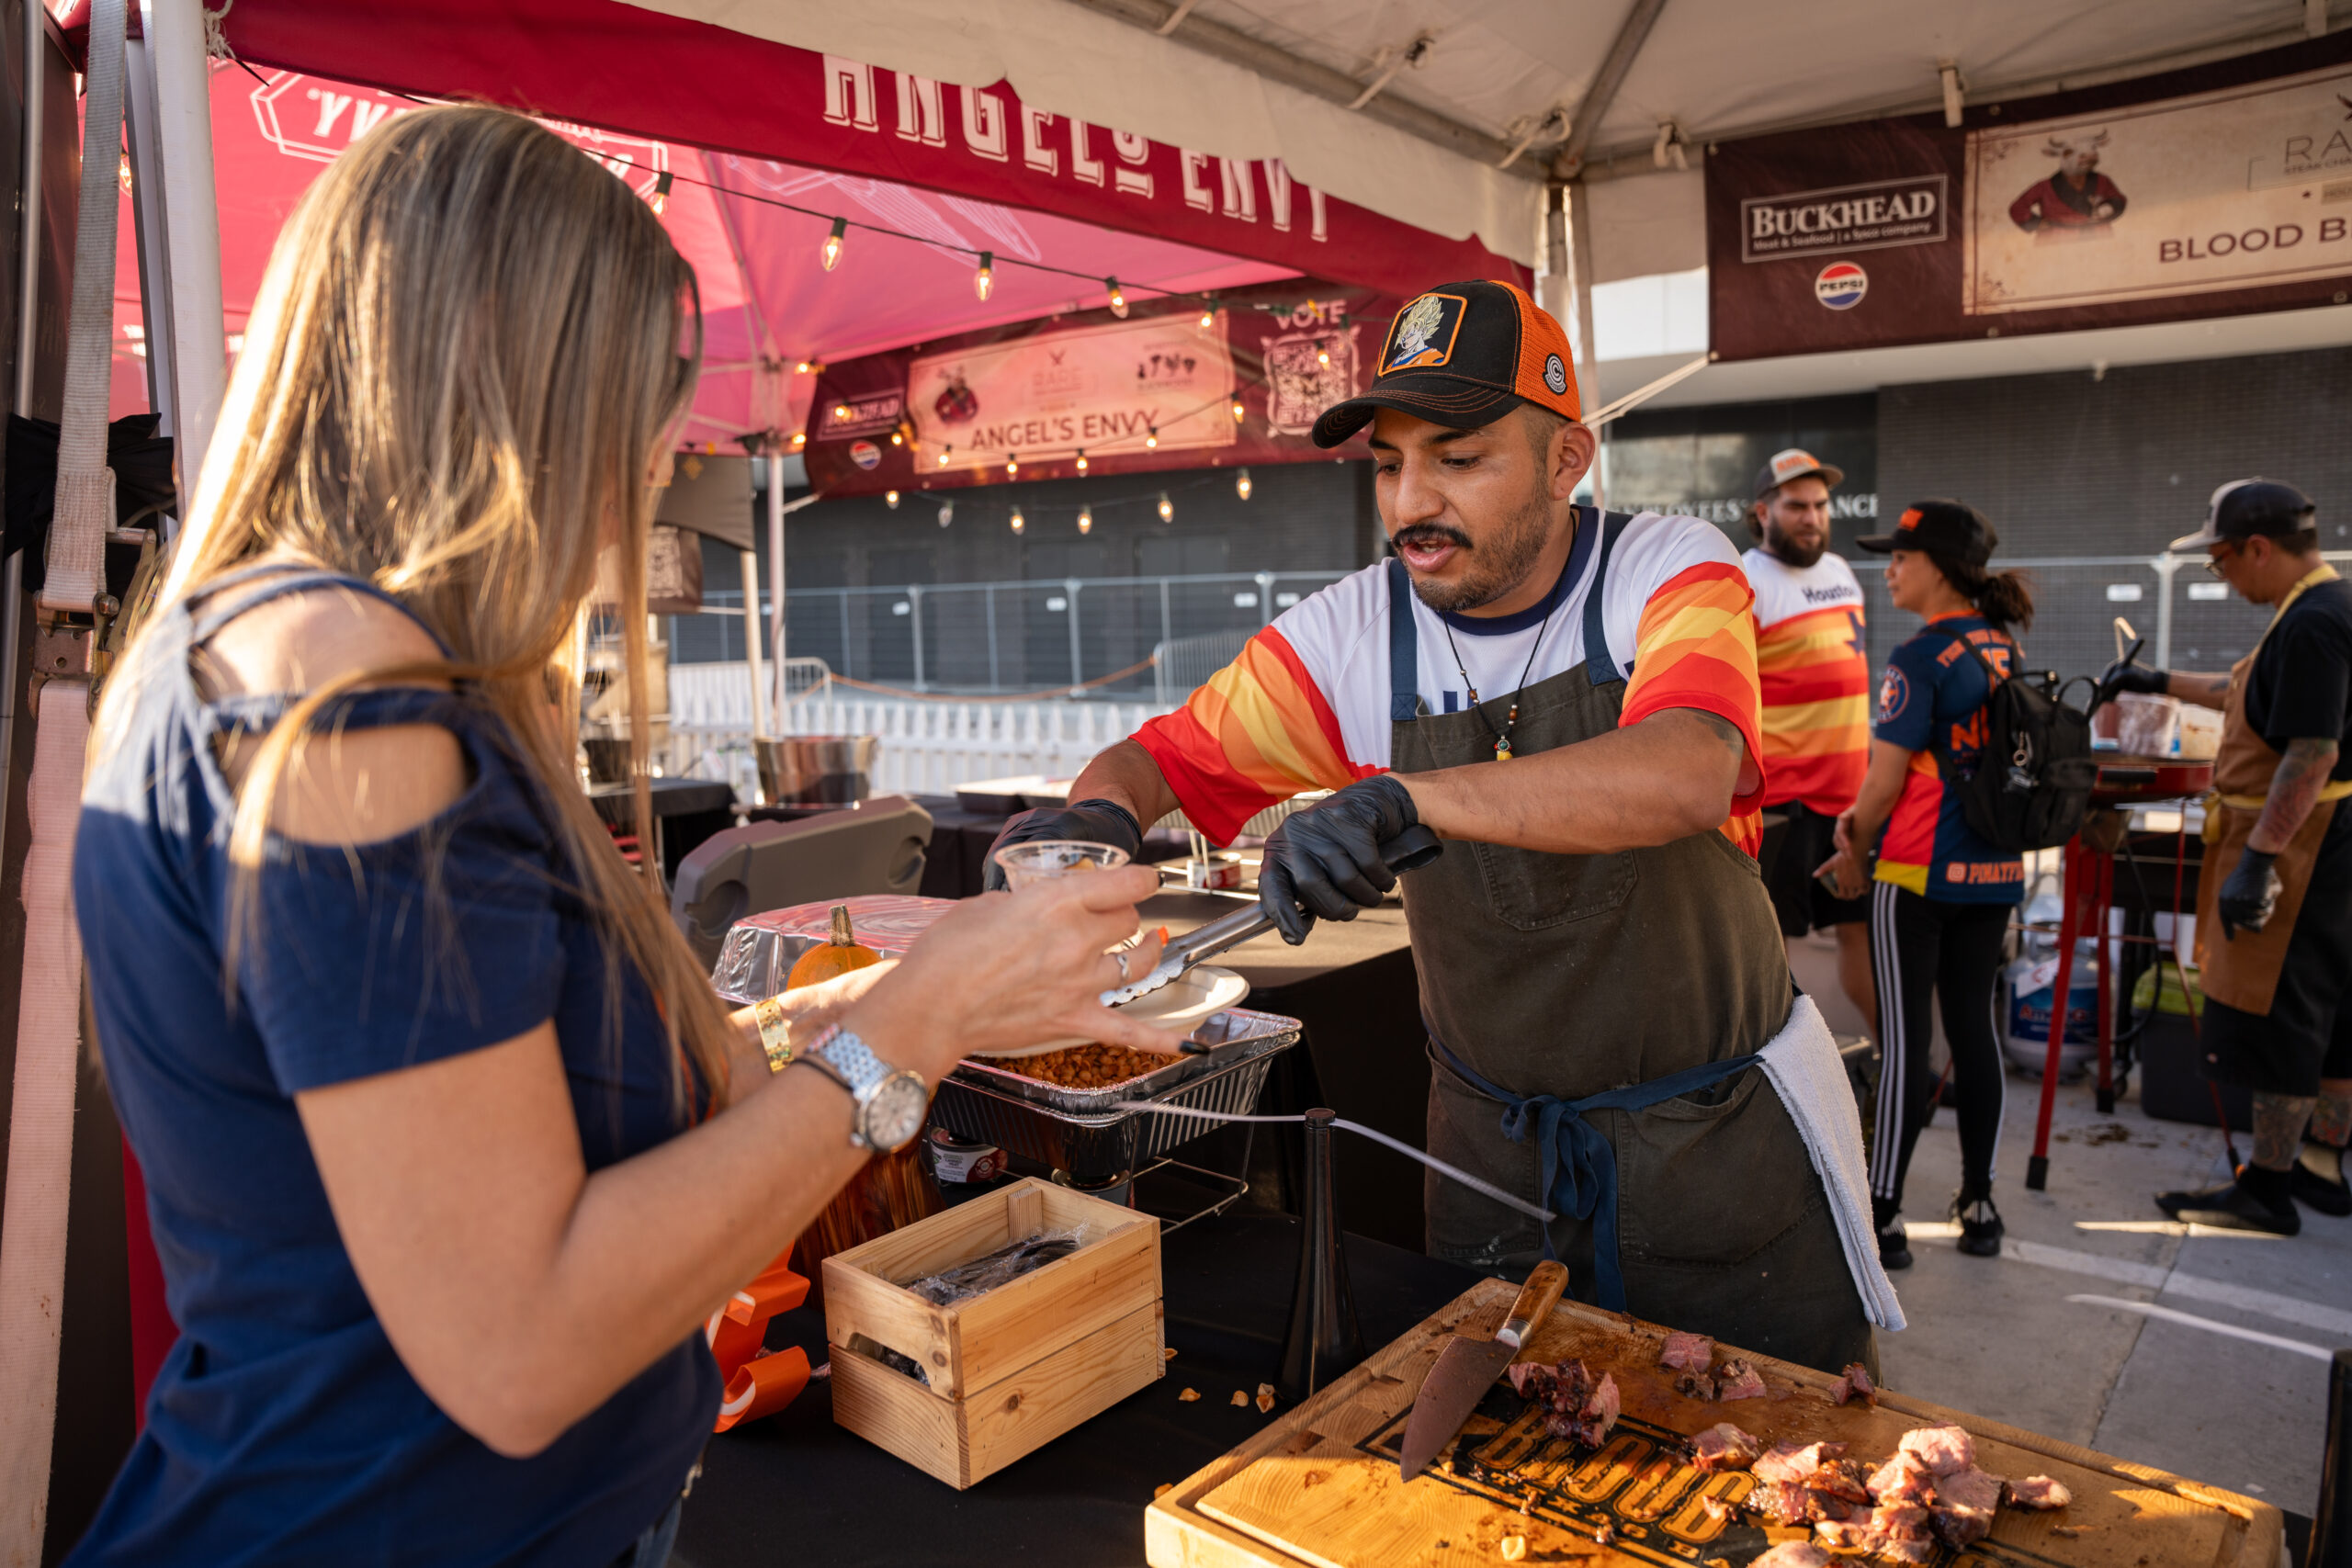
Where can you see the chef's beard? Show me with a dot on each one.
(1788, 551)
(1492, 569)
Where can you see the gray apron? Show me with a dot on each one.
(1647, 979)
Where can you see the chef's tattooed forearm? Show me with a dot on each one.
(2191, 687)
(2294, 790)
(2278, 1122)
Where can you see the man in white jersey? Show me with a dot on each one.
(1816, 684)
(1572, 700)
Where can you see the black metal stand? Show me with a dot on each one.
(1324, 1339)
(2331, 1528)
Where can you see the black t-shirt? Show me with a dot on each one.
(2300, 685)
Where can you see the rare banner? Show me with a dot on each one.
(2209, 192)
(1093, 393)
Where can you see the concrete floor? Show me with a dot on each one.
(2231, 1390)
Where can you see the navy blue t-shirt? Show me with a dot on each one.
(283, 1427)
(1931, 703)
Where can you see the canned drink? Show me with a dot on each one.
(1221, 869)
(968, 1163)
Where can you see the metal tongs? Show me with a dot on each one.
(1416, 846)
(2123, 655)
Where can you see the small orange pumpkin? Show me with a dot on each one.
(838, 956)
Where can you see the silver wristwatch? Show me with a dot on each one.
(891, 1101)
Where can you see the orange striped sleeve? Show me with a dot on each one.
(1258, 732)
(1695, 647)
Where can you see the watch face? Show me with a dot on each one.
(895, 1114)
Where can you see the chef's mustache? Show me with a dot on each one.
(1430, 534)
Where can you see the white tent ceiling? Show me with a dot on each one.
(1273, 78)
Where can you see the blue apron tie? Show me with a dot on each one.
(1581, 1179)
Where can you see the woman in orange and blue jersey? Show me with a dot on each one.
(1939, 908)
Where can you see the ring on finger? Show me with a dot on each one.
(1122, 956)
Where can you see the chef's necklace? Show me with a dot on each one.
(1510, 723)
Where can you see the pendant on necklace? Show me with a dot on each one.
(1502, 749)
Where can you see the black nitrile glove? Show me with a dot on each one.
(1327, 858)
(2129, 677)
(1091, 821)
(2251, 894)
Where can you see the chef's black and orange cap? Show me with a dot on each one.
(1463, 355)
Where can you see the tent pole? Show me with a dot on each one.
(1588, 352)
(183, 139)
(29, 208)
(775, 584)
(752, 646)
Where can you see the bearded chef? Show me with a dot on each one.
(2274, 902)
(1572, 700)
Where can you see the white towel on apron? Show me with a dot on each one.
(1805, 1070)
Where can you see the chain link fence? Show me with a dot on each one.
(984, 638)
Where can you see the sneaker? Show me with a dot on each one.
(2315, 1191)
(1894, 1246)
(1980, 1225)
(2231, 1207)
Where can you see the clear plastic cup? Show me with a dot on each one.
(1045, 859)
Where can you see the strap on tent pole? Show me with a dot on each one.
(48, 1014)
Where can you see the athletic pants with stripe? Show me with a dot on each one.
(1924, 948)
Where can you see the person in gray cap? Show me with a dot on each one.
(2274, 905)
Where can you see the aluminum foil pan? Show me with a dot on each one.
(761, 949)
(1074, 1132)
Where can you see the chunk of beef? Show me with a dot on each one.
(1725, 1446)
(1856, 1384)
(1845, 1535)
(1947, 1451)
(1914, 1550)
(1588, 1423)
(1737, 1380)
(1820, 1506)
(1965, 1500)
(1714, 1507)
(1688, 1352)
(2039, 1492)
(1847, 1478)
(1900, 1519)
(1902, 1479)
(1796, 1462)
(1530, 1380)
(1695, 1385)
(1782, 1502)
(1792, 1554)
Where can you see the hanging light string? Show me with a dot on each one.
(1035, 511)
(1148, 441)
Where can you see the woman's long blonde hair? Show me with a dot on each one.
(469, 345)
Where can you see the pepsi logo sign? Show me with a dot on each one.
(1840, 286)
(864, 453)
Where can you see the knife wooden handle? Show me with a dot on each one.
(1536, 1298)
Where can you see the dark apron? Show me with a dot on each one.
(1648, 979)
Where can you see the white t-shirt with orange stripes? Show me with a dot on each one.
(1815, 676)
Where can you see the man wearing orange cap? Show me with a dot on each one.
(1817, 682)
(1571, 698)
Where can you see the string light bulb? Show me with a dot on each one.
(1237, 414)
(1241, 484)
(1081, 459)
(1118, 298)
(899, 438)
(946, 513)
(1019, 521)
(1151, 439)
(984, 278)
(840, 413)
(1086, 519)
(944, 452)
(1208, 316)
(891, 499)
(832, 250)
(661, 203)
(800, 439)
(1322, 352)
(1167, 508)
(1012, 464)
(810, 367)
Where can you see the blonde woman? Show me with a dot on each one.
(449, 1147)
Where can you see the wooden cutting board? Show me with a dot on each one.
(1320, 1485)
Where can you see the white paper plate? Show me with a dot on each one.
(1180, 1004)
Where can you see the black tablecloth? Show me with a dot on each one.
(795, 1488)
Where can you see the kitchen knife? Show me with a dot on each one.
(1467, 1368)
(1416, 846)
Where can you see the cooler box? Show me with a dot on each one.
(2173, 1086)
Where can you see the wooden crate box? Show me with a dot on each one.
(1010, 1370)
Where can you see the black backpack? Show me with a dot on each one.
(2032, 787)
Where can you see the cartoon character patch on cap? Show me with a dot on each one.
(1424, 333)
